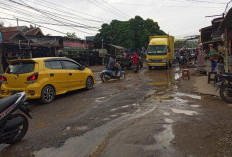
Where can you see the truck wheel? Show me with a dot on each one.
(149, 67)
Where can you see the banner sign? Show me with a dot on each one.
(74, 45)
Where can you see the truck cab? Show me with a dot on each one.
(160, 51)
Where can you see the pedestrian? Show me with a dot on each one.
(220, 65)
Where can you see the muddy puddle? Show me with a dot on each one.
(186, 112)
(163, 139)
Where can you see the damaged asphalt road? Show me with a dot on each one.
(147, 114)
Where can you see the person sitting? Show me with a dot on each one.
(112, 65)
(135, 59)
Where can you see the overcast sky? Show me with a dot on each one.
(176, 17)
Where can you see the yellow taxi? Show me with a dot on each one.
(44, 78)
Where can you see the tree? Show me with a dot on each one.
(72, 35)
(32, 27)
(1, 24)
(131, 34)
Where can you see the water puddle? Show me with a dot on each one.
(113, 116)
(195, 106)
(182, 101)
(98, 100)
(188, 95)
(177, 76)
(126, 106)
(166, 113)
(167, 120)
(79, 128)
(135, 104)
(163, 139)
(186, 112)
(114, 109)
(91, 140)
(158, 83)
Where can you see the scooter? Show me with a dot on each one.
(223, 82)
(13, 127)
(135, 67)
(107, 75)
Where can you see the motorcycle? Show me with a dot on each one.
(13, 127)
(223, 82)
(107, 75)
(135, 67)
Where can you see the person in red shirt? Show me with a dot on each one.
(135, 59)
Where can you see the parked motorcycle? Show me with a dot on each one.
(135, 67)
(107, 75)
(225, 86)
(13, 126)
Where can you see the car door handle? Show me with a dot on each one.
(51, 74)
(70, 74)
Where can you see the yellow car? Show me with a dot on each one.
(44, 78)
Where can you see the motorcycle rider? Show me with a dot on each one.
(135, 59)
(112, 64)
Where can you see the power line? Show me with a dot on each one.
(105, 8)
(20, 11)
(70, 9)
(68, 13)
(51, 16)
(107, 5)
(227, 6)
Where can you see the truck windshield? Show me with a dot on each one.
(157, 50)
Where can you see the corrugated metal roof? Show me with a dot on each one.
(34, 31)
(118, 47)
(9, 32)
(227, 22)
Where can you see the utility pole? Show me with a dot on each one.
(102, 43)
(17, 22)
(103, 54)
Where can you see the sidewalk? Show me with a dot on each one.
(201, 85)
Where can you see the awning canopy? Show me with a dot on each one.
(227, 22)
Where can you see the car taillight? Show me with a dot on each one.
(3, 78)
(33, 77)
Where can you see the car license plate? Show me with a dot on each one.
(15, 92)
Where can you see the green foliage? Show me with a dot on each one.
(1, 24)
(131, 34)
(32, 27)
(72, 35)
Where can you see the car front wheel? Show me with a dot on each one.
(89, 83)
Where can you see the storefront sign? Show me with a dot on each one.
(74, 45)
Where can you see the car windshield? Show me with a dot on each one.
(157, 50)
(21, 68)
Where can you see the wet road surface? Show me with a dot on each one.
(138, 116)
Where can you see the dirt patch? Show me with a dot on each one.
(210, 132)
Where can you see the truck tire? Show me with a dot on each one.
(150, 67)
